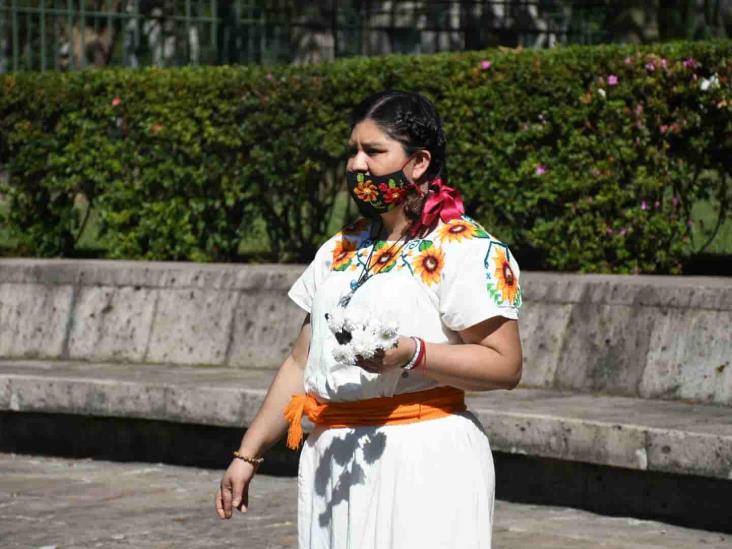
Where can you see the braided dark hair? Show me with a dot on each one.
(410, 119)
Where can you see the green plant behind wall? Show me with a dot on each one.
(591, 158)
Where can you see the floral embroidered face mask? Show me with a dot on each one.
(377, 194)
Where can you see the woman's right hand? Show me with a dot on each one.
(234, 489)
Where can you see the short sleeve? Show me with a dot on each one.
(303, 289)
(481, 280)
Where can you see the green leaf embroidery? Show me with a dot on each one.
(494, 293)
(425, 245)
(388, 267)
(344, 266)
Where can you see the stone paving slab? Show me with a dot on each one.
(73, 504)
(634, 433)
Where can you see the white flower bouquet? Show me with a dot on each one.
(361, 333)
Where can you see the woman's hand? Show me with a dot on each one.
(234, 489)
(389, 359)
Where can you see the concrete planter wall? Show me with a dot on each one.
(653, 337)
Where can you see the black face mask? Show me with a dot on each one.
(377, 194)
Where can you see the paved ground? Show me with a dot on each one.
(62, 504)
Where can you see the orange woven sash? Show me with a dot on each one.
(402, 408)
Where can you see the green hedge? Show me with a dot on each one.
(588, 157)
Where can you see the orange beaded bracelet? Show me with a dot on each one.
(253, 461)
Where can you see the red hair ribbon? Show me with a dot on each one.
(444, 202)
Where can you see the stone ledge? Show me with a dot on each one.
(655, 337)
(697, 292)
(149, 274)
(654, 435)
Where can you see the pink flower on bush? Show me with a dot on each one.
(644, 205)
(664, 62)
(623, 231)
(675, 200)
(612, 80)
(628, 60)
(657, 204)
(269, 76)
(663, 128)
(485, 65)
(540, 169)
(116, 102)
(690, 63)
(650, 66)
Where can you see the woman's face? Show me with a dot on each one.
(373, 152)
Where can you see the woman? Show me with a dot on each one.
(395, 459)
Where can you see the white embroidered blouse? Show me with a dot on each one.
(455, 277)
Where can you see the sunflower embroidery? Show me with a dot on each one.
(343, 254)
(425, 259)
(429, 263)
(457, 230)
(506, 282)
(384, 259)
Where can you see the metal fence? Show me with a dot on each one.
(72, 34)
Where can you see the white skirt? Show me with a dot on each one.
(423, 485)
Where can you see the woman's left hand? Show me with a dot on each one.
(389, 359)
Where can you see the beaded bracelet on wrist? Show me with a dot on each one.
(253, 461)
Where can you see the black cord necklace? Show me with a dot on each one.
(367, 272)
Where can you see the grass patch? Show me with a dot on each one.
(705, 215)
(6, 240)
